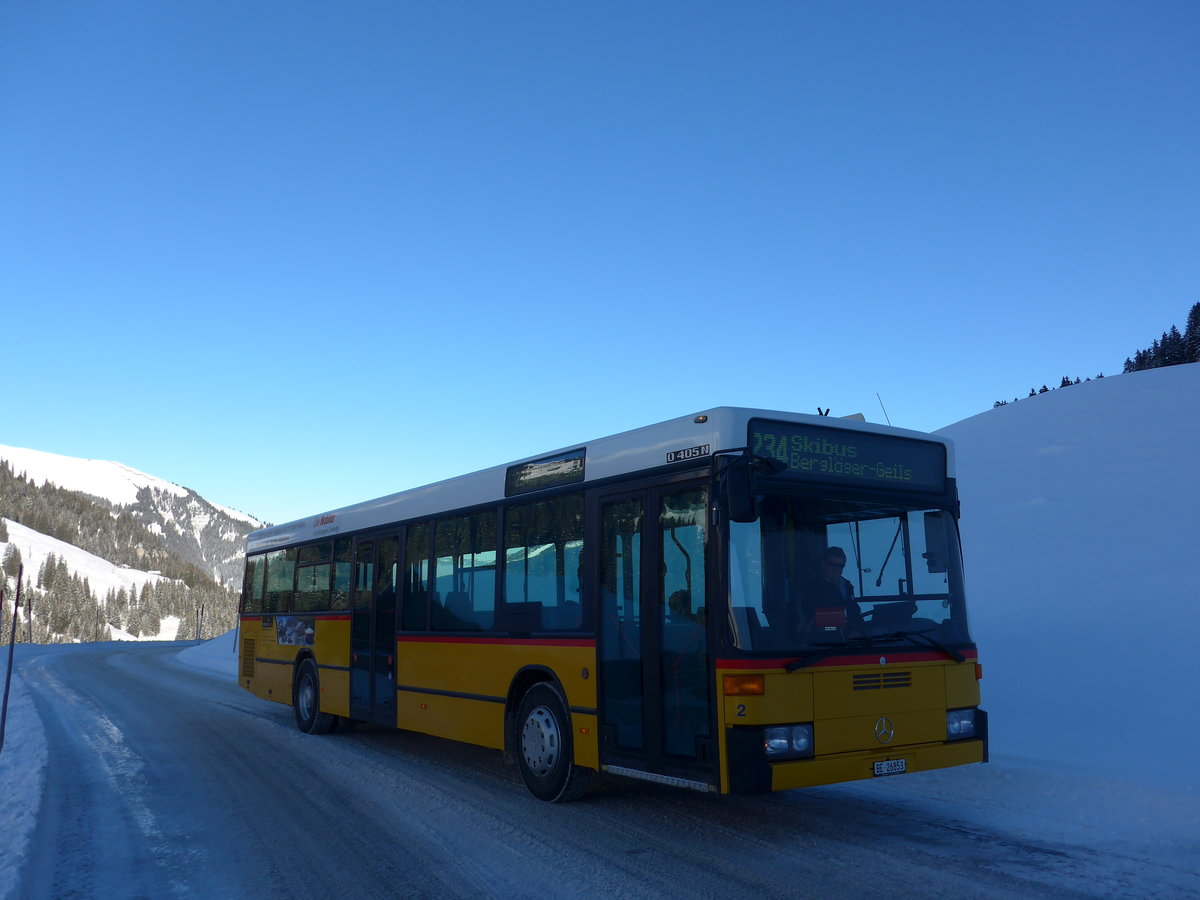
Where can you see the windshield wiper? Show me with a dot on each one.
(920, 638)
(930, 642)
(831, 647)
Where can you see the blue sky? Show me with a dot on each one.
(295, 255)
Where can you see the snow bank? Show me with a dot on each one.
(1079, 532)
(23, 765)
(217, 655)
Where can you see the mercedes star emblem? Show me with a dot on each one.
(884, 730)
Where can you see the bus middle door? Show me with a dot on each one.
(655, 692)
(373, 630)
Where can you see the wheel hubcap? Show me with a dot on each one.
(540, 741)
(306, 698)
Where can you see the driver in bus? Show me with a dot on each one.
(829, 604)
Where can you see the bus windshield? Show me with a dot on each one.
(813, 573)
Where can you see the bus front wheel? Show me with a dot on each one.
(546, 750)
(306, 700)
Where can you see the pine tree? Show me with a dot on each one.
(1173, 351)
(148, 604)
(57, 609)
(118, 608)
(133, 624)
(187, 626)
(12, 560)
(1191, 334)
(46, 566)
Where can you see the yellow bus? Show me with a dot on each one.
(737, 601)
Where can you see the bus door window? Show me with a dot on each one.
(360, 630)
(620, 622)
(342, 568)
(683, 659)
(364, 574)
(385, 623)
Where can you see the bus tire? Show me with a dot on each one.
(306, 701)
(545, 749)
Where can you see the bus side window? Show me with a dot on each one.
(312, 578)
(415, 603)
(281, 573)
(543, 549)
(465, 573)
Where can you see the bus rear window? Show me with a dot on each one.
(256, 568)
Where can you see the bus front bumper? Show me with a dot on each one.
(862, 765)
(750, 773)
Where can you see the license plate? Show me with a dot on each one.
(890, 767)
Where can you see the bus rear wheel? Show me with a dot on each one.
(306, 701)
(546, 750)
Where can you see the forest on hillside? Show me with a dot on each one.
(1174, 348)
(57, 605)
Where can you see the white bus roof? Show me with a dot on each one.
(722, 428)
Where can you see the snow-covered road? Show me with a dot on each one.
(167, 780)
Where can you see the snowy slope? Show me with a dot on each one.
(209, 536)
(102, 575)
(111, 481)
(1079, 528)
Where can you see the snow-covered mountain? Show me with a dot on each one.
(209, 536)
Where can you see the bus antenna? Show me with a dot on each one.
(884, 408)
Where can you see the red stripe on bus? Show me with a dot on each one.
(538, 642)
(327, 617)
(857, 660)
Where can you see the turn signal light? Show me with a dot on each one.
(978, 672)
(743, 685)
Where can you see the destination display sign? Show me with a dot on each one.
(545, 473)
(841, 456)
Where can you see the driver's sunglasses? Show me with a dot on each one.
(836, 565)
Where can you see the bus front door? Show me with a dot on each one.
(655, 692)
(373, 630)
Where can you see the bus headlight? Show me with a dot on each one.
(960, 724)
(788, 742)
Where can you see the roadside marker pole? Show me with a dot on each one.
(12, 636)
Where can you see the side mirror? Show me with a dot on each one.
(936, 547)
(737, 486)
